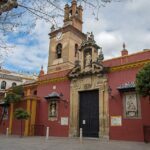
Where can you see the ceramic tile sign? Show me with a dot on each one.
(116, 121)
(64, 121)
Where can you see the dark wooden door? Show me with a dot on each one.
(89, 113)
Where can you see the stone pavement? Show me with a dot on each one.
(39, 143)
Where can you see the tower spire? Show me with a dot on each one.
(124, 46)
(41, 71)
(124, 52)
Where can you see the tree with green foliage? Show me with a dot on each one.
(14, 95)
(21, 115)
(143, 81)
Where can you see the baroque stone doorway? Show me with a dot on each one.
(88, 84)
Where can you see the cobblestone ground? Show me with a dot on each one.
(39, 143)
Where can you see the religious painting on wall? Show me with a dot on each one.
(52, 110)
(131, 105)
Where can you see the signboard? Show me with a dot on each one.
(64, 121)
(116, 121)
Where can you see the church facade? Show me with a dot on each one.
(83, 91)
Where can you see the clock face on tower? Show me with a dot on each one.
(59, 35)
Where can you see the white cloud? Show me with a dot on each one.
(120, 22)
(32, 57)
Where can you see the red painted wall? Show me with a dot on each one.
(5, 123)
(131, 129)
(56, 129)
(16, 124)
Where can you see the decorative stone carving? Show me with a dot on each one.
(76, 70)
(87, 86)
(91, 62)
(97, 67)
(85, 77)
(90, 36)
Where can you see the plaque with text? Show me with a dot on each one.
(116, 121)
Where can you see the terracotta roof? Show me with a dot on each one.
(126, 86)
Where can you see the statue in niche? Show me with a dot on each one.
(53, 109)
(88, 59)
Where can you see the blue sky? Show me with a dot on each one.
(119, 22)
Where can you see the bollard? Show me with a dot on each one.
(81, 136)
(47, 133)
(7, 131)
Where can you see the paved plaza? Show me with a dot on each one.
(39, 143)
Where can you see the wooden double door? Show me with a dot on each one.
(89, 113)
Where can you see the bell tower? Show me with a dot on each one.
(73, 15)
(65, 41)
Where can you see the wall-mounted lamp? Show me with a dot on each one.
(110, 92)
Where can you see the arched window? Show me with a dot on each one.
(3, 85)
(76, 50)
(59, 50)
(14, 84)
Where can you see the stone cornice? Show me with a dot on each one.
(129, 66)
(66, 29)
(53, 80)
(31, 97)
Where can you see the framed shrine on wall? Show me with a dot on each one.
(52, 111)
(131, 105)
